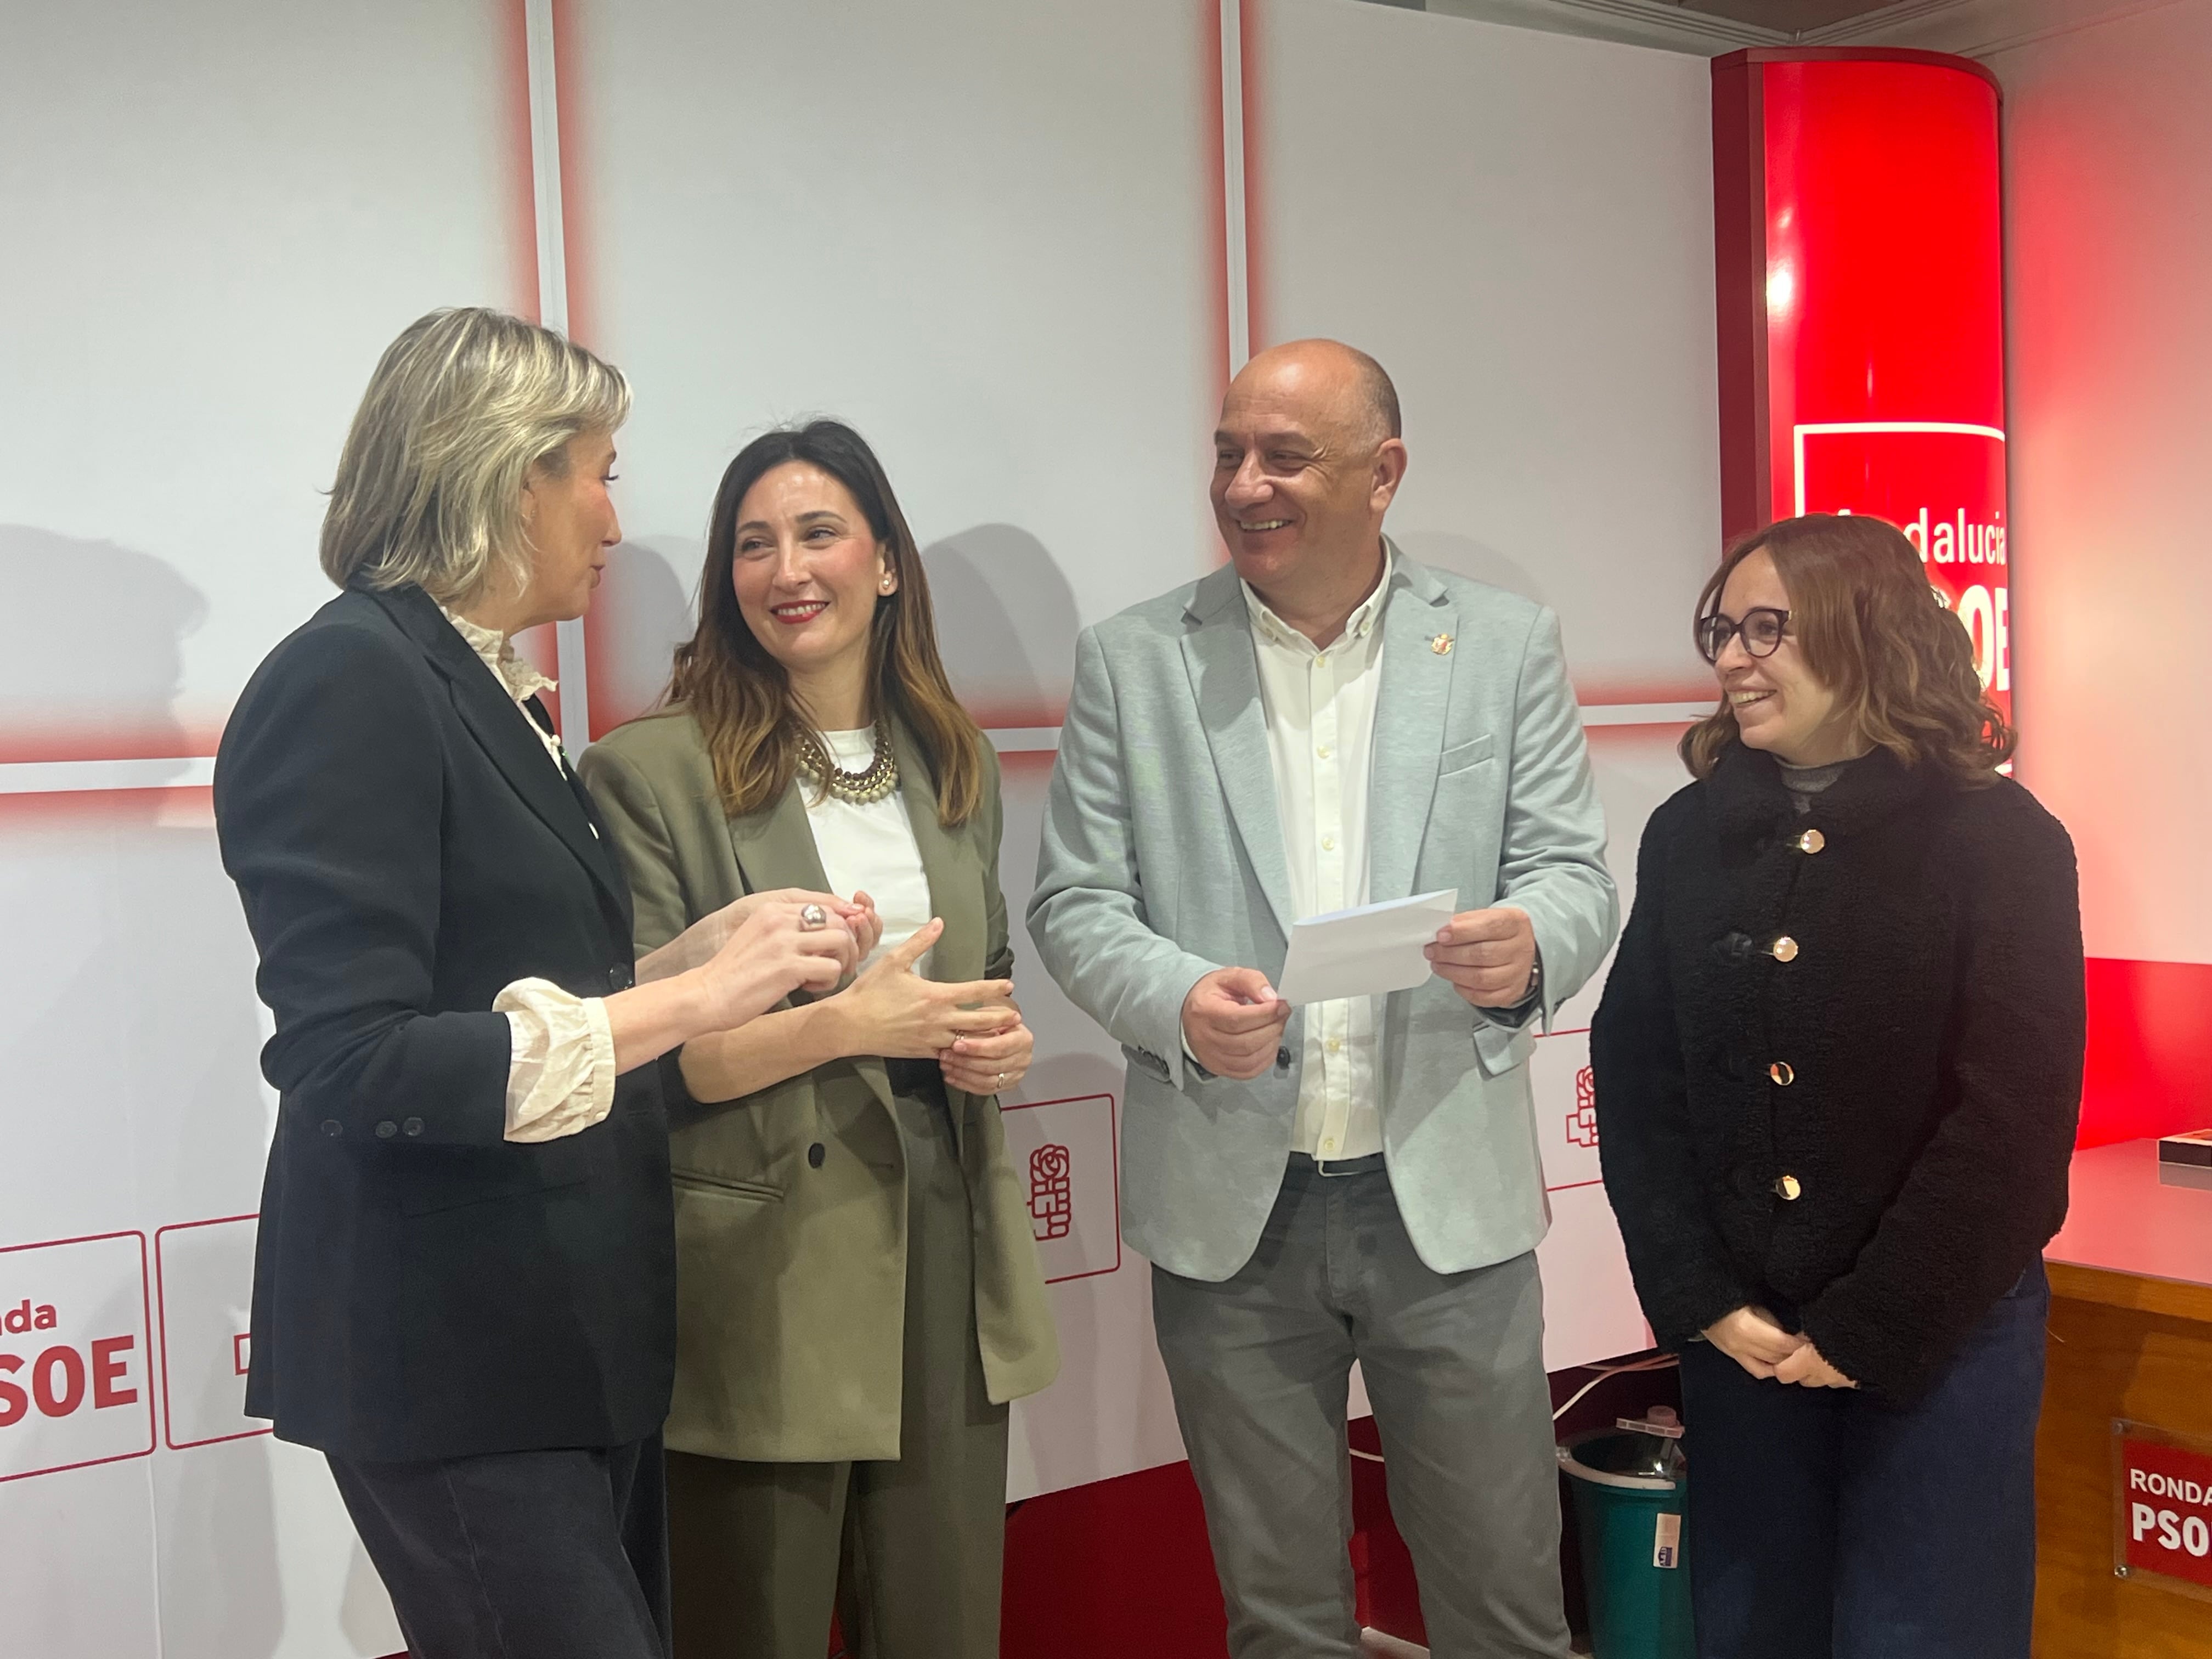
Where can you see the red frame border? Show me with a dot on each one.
(1739, 123)
(1862, 55)
(145, 1313)
(169, 1418)
(1114, 1141)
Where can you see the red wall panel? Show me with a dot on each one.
(2150, 1050)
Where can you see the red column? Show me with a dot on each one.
(1860, 279)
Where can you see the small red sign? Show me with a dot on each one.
(1943, 484)
(1582, 1122)
(1052, 1194)
(2163, 1505)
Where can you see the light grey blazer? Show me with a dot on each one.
(1162, 859)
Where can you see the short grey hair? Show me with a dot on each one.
(462, 406)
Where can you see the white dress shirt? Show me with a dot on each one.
(1320, 734)
(870, 847)
(561, 1064)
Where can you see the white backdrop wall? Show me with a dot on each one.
(991, 234)
(217, 215)
(1520, 227)
(978, 233)
(2108, 228)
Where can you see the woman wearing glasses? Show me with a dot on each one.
(1837, 1065)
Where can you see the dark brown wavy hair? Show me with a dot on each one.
(1869, 625)
(740, 695)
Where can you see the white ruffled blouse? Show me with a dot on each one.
(560, 1066)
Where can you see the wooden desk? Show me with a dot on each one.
(2131, 1337)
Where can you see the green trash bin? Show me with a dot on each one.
(1629, 1517)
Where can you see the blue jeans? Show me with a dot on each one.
(1823, 1524)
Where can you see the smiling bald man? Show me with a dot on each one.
(1321, 724)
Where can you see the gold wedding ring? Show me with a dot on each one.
(812, 917)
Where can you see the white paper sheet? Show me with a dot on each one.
(1364, 952)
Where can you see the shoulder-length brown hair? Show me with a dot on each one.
(740, 695)
(1868, 622)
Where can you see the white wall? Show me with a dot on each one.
(2108, 162)
(978, 232)
(217, 215)
(1519, 226)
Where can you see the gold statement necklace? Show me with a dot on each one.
(871, 784)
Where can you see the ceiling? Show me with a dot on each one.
(1788, 15)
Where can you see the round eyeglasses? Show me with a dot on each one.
(1761, 631)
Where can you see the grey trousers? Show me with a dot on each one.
(909, 1553)
(1260, 1367)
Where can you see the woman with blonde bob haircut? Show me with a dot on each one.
(858, 1286)
(463, 1289)
(1837, 1065)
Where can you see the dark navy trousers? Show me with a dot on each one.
(558, 1554)
(1823, 1524)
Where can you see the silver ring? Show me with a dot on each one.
(812, 917)
(1001, 1083)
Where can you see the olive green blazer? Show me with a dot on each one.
(791, 1203)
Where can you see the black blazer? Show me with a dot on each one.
(405, 849)
(1914, 1067)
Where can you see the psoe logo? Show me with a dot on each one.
(1942, 483)
(1071, 1156)
(1582, 1122)
(2163, 1482)
(1052, 1193)
(73, 1343)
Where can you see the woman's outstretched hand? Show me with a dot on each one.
(771, 952)
(697, 946)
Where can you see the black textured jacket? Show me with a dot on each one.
(1838, 1060)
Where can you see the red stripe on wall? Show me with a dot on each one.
(1740, 291)
(521, 190)
(1258, 319)
(1214, 168)
(579, 272)
(2150, 1050)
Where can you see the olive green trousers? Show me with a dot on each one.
(908, 1552)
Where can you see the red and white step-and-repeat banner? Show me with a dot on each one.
(1021, 248)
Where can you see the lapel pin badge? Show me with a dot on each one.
(1442, 645)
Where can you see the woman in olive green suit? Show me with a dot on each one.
(858, 1290)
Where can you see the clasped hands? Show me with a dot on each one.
(974, 1030)
(1753, 1338)
(1233, 1021)
(753, 952)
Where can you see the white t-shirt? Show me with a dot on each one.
(870, 848)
